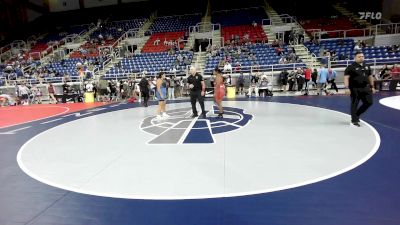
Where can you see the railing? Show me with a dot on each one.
(204, 27)
(266, 22)
(391, 28)
(374, 63)
(318, 33)
(262, 68)
(135, 75)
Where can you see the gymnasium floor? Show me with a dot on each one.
(275, 161)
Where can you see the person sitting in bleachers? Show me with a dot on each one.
(156, 42)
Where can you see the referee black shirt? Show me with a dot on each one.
(196, 81)
(359, 75)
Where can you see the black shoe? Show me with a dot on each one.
(203, 115)
(355, 124)
(220, 116)
(194, 115)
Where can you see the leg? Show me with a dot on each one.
(366, 98)
(193, 98)
(354, 105)
(334, 86)
(200, 98)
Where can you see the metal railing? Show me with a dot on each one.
(364, 32)
(261, 68)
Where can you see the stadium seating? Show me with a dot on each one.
(265, 55)
(150, 62)
(346, 47)
(68, 66)
(150, 47)
(174, 23)
(239, 17)
(117, 28)
(255, 33)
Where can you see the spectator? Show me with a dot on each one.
(264, 89)
(240, 84)
(283, 77)
(253, 86)
(227, 67)
(395, 72)
(51, 91)
(331, 79)
(322, 80)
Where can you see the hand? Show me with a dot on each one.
(347, 91)
(191, 86)
(203, 93)
(373, 90)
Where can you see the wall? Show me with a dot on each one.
(390, 8)
(63, 5)
(98, 3)
(388, 39)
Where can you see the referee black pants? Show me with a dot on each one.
(357, 94)
(145, 94)
(196, 96)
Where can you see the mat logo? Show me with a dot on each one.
(370, 15)
(180, 128)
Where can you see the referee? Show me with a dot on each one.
(359, 83)
(197, 91)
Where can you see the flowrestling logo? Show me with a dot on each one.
(180, 128)
(370, 15)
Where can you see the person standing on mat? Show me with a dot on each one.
(144, 87)
(219, 91)
(161, 95)
(359, 83)
(197, 91)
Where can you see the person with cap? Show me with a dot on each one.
(197, 88)
(219, 91)
(359, 83)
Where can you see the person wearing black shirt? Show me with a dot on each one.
(144, 90)
(359, 83)
(197, 91)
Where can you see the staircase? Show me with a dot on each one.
(270, 34)
(273, 15)
(216, 38)
(141, 44)
(141, 34)
(306, 56)
(355, 17)
(199, 61)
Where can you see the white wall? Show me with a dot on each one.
(98, 3)
(388, 39)
(63, 5)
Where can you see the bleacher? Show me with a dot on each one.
(118, 28)
(150, 46)
(265, 55)
(346, 47)
(174, 23)
(239, 17)
(68, 66)
(256, 34)
(150, 62)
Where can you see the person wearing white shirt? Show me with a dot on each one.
(227, 67)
